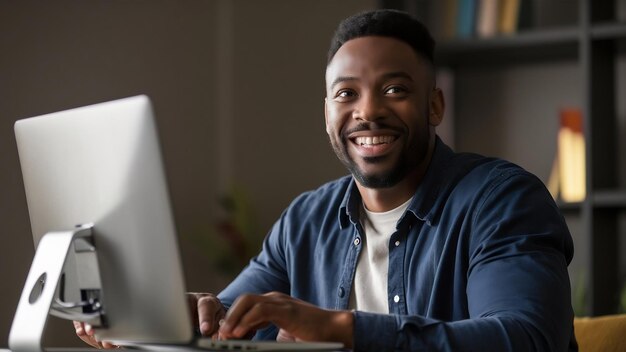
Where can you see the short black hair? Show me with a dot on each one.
(387, 23)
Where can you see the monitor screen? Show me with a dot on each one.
(101, 165)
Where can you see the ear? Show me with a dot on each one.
(437, 107)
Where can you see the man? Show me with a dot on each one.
(420, 248)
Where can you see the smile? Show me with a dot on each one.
(373, 140)
(372, 146)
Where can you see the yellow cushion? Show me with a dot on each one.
(605, 333)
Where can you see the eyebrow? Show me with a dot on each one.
(342, 79)
(398, 74)
(395, 74)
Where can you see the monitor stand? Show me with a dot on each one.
(39, 296)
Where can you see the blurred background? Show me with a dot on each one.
(238, 89)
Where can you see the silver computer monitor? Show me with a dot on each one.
(101, 165)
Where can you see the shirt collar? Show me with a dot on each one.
(428, 198)
(349, 210)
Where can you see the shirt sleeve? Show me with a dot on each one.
(265, 273)
(518, 288)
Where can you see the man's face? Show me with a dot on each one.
(378, 96)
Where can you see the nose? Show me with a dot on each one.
(369, 107)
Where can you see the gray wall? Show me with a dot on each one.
(238, 93)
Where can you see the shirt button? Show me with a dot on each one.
(341, 292)
(396, 298)
(357, 241)
(397, 243)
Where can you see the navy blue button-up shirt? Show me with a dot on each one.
(481, 263)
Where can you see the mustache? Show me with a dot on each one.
(371, 126)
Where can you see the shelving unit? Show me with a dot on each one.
(593, 42)
(555, 43)
(599, 33)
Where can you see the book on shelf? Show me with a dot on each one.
(466, 18)
(479, 18)
(509, 14)
(571, 156)
(487, 18)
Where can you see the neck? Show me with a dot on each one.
(385, 199)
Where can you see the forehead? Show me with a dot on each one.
(372, 55)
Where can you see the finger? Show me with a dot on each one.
(89, 330)
(205, 313)
(218, 318)
(80, 329)
(91, 334)
(241, 305)
(82, 334)
(249, 313)
(210, 311)
(257, 317)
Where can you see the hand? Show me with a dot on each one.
(86, 333)
(298, 320)
(207, 313)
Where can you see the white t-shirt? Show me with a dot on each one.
(369, 290)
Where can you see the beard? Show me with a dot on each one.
(411, 156)
(385, 179)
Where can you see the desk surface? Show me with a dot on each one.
(170, 348)
(76, 349)
(56, 349)
(88, 349)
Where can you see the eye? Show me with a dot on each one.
(345, 94)
(395, 90)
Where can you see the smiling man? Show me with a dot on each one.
(420, 248)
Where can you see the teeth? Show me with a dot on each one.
(373, 140)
